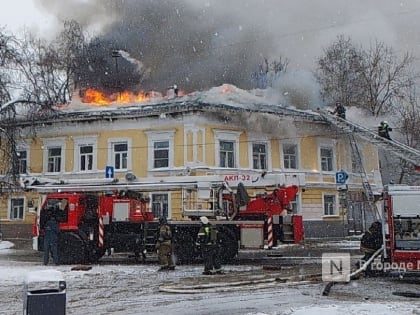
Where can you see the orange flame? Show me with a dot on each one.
(99, 98)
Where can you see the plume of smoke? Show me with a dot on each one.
(198, 44)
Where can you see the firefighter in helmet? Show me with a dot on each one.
(164, 245)
(384, 129)
(208, 242)
(371, 241)
(340, 110)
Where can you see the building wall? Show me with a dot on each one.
(194, 139)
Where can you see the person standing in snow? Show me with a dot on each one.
(340, 110)
(51, 231)
(208, 242)
(164, 246)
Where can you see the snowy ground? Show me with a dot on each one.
(134, 289)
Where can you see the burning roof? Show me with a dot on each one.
(224, 99)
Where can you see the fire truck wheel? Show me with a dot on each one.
(229, 244)
(71, 249)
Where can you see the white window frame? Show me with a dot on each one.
(24, 147)
(85, 141)
(159, 136)
(296, 203)
(333, 162)
(283, 155)
(168, 194)
(50, 144)
(9, 208)
(230, 136)
(111, 153)
(335, 206)
(267, 153)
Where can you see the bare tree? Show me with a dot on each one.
(385, 80)
(338, 73)
(48, 69)
(7, 55)
(373, 79)
(268, 71)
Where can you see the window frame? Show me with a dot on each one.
(53, 144)
(168, 199)
(228, 136)
(333, 164)
(10, 205)
(112, 153)
(267, 154)
(335, 205)
(160, 136)
(85, 141)
(283, 156)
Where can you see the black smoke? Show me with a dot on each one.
(193, 46)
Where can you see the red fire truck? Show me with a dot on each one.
(402, 229)
(116, 217)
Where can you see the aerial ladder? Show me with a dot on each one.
(401, 150)
(352, 130)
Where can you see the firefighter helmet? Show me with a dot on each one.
(162, 220)
(204, 220)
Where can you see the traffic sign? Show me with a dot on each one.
(341, 177)
(109, 172)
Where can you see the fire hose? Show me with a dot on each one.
(230, 286)
(354, 274)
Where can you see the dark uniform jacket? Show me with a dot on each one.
(371, 241)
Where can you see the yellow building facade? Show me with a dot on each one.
(263, 146)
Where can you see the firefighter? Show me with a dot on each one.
(208, 242)
(164, 245)
(340, 110)
(371, 241)
(51, 231)
(384, 129)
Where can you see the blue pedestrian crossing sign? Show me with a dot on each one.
(109, 172)
(341, 177)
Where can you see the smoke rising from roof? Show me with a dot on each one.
(198, 44)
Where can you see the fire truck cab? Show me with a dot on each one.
(402, 229)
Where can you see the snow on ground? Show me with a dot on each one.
(128, 289)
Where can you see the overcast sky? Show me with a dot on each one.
(173, 35)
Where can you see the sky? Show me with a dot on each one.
(203, 43)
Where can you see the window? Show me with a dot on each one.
(160, 206)
(330, 205)
(259, 156)
(290, 156)
(326, 159)
(160, 154)
(85, 153)
(86, 157)
(16, 208)
(294, 205)
(227, 148)
(22, 161)
(54, 160)
(120, 154)
(53, 155)
(227, 154)
(160, 149)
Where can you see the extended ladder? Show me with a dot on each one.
(400, 149)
